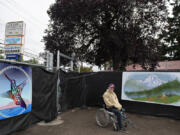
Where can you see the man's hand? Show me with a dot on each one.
(123, 110)
(119, 106)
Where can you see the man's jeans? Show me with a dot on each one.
(118, 115)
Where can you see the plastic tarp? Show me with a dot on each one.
(86, 89)
(44, 85)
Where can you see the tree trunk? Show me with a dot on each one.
(118, 65)
(119, 60)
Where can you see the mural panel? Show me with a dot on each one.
(15, 90)
(154, 87)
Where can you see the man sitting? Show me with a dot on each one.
(113, 105)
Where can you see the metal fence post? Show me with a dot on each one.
(71, 65)
(58, 107)
(47, 60)
(58, 82)
(58, 59)
(72, 61)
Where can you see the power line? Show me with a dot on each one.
(2, 22)
(34, 29)
(2, 28)
(31, 55)
(24, 10)
(1, 40)
(19, 12)
(31, 50)
(12, 9)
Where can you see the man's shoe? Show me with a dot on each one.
(123, 130)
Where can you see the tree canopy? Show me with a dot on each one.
(84, 69)
(171, 48)
(1, 52)
(32, 61)
(99, 31)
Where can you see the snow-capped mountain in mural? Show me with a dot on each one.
(152, 81)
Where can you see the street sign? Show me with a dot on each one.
(13, 40)
(12, 49)
(15, 28)
(13, 56)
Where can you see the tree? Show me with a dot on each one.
(172, 34)
(99, 31)
(1, 57)
(32, 61)
(1, 52)
(84, 69)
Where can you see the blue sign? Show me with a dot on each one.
(13, 56)
(13, 40)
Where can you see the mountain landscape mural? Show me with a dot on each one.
(157, 87)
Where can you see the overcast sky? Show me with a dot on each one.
(33, 13)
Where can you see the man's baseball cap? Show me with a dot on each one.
(111, 85)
